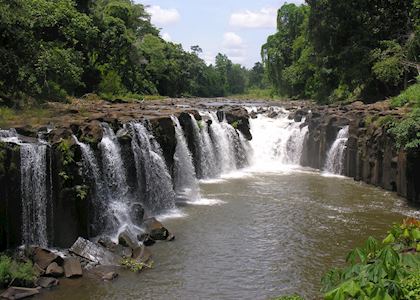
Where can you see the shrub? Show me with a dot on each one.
(407, 132)
(13, 271)
(410, 96)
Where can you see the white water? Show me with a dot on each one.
(33, 160)
(155, 183)
(335, 157)
(185, 179)
(277, 142)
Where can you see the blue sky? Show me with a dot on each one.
(236, 28)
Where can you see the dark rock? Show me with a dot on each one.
(137, 213)
(14, 293)
(54, 270)
(72, 267)
(127, 239)
(119, 250)
(94, 252)
(171, 237)
(141, 254)
(109, 276)
(43, 257)
(47, 282)
(156, 229)
(146, 239)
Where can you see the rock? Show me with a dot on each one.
(127, 239)
(142, 254)
(171, 237)
(47, 282)
(14, 293)
(43, 257)
(156, 229)
(119, 250)
(72, 267)
(146, 239)
(54, 270)
(94, 252)
(110, 276)
(137, 213)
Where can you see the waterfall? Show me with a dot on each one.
(33, 159)
(100, 197)
(277, 141)
(335, 157)
(185, 181)
(206, 165)
(115, 181)
(154, 181)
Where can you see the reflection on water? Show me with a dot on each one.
(268, 234)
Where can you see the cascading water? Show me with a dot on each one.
(185, 181)
(153, 177)
(34, 195)
(335, 157)
(116, 181)
(277, 141)
(100, 199)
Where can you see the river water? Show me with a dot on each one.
(254, 235)
(271, 229)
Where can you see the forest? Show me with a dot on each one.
(53, 49)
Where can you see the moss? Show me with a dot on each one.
(15, 272)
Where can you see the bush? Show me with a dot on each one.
(13, 271)
(410, 96)
(407, 132)
(379, 270)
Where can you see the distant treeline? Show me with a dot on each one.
(332, 50)
(50, 49)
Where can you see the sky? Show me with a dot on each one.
(237, 28)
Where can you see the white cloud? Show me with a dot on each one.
(232, 41)
(167, 37)
(264, 18)
(162, 16)
(234, 47)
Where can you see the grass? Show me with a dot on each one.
(410, 97)
(30, 115)
(15, 272)
(130, 97)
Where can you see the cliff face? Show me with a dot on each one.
(371, 155)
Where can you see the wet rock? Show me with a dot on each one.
(54, 270)
(43, 257)
(94, 252)
(109, 276)
(14, 293)
(146, 239)
(156, 230)
(137, 213)
(72, 267)
(119, 250)
(171, 237)
(47, 282)
(127, 239)
(142, 254)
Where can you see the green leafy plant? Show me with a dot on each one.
(13, 271)
(293, 297)
(82, 191)
(134, 265)
(407, 132)
(378, 270)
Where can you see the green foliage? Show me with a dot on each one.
(410, 96)
(407, 131)
(134, 265)
(11, 270)
(337, 50)
(65, 148)
(410, 286)
(379, 270)
(294, 297)
(82, 191)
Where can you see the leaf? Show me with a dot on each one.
(415, 233)
(389, 239)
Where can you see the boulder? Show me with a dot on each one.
(119, 250)
(47, 282)
(127, 239)
(142, 254)
(146, 239)
(72, 267)
(137, 213)
(156, 230)
(43, 257)
(94, 252)
(109, 276)
(54, 270)
(14, 293)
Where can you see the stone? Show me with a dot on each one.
(109, 276)
(72, 267)
(141, 254)
(127, 239)
(47, 282)
(54, 270)
(171, 237)
(14, 293)
(146, 239)
(119, 250)
(94, 252)
(43, 257)
(137, 213)
(156, 229)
